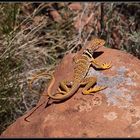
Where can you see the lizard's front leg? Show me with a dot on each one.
(98, 65)
(88, 83)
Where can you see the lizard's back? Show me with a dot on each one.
(81, 68)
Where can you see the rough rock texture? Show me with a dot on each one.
(113, 112)
(75, 6)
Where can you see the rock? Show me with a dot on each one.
(55, 15)
(82, 22)
(113, 112)
(76, 6)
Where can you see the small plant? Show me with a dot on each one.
(8, 21)
(10, 95)
(10, 68)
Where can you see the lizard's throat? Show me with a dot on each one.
(87, 53)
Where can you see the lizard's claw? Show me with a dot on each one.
(106, 65)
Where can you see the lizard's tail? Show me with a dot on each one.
(48, 104)
(30, 85)
(37, 77)
(33, 111)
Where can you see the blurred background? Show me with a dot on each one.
(34, 37)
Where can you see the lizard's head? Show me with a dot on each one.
(93, 45)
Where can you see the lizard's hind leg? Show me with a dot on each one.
(89, 82)
(64, 87)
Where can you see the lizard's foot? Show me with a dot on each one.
(106, 65)
(93, 90)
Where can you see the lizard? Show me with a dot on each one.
(82, 63)
(81, 68)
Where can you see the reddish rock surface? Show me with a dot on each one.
(113, 112)
(75, 6)
(56, 16)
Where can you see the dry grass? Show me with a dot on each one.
(25, 50)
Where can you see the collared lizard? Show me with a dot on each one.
(82, 63)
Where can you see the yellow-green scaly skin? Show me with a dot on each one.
(81, 68)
